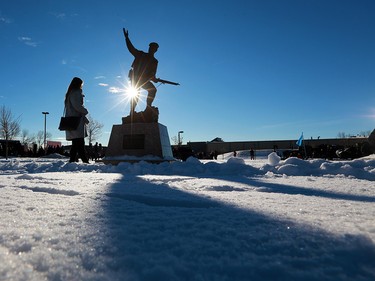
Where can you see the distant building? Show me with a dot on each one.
(207, 148)
(54, 143)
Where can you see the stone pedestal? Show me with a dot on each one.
(134, 142)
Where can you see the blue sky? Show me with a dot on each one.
(249, 70)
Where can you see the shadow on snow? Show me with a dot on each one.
(155, 232)
(305, 191)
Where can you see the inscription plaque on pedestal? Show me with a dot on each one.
(134, 142)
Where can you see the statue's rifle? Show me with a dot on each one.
(167, 82)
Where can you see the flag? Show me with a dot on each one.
(300, 140)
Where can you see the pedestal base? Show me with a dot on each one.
(138, 142)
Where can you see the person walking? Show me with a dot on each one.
(143, 71)
(74, 107)
(252, 154)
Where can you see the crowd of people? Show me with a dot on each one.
(15, 149)
(95, 152)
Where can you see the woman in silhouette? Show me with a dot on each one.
(74, 107)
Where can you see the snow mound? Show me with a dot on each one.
(236, 161)
(273, 159)
(362, 168)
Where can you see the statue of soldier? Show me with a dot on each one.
(143, 71)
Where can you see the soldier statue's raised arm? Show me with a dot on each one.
(143, 70)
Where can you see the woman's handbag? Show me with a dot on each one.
(69, 123)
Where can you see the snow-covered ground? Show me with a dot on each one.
(231, 219)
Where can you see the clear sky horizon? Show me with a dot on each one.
(249, 70)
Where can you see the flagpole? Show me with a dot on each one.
(300, 142)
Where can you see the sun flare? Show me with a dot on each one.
(126, 94)
(131, 92)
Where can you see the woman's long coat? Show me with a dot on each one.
(74, 107)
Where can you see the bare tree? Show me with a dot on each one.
(175, 140)
(26, 139)
(94, 129)
(39, 138)
(9, 126)
(342, 135)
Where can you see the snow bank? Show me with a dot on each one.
(360, 168)
(363, 168)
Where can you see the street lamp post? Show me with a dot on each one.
(45, 128)
(179, 137)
